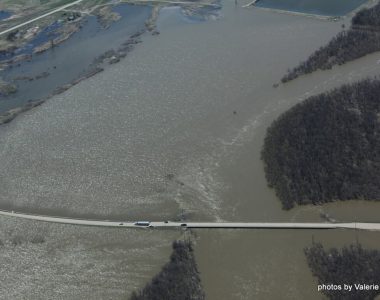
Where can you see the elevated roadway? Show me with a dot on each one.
(198, 225)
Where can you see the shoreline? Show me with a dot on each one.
(111, 56)
(367, 4)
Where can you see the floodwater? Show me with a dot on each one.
(173, 16)
(71, 59)
(4, 14)
(319, 7)
(44, 36)
(51, 261)
(155, 137)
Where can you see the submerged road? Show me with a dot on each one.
(199, 225)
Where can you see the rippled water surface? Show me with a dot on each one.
(174, 129)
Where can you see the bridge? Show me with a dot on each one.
(195, 225)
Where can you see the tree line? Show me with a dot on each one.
(362, 38)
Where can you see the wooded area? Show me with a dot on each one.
(351, 265)
(361, 39)
(178, 280)
(367, 17)
(327, 148)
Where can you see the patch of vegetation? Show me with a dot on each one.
(367, 17)
(178, 280)
(7, 88)
(351, 265)
(13, 113)
(361, 39)
(327, 148)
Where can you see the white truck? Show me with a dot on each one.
(142, 223)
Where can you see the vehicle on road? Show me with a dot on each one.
(183, 225)
(142, 223)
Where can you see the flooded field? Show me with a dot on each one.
(48, 261)
(319, 7)
(266, 264)
(174, 130)
(4, 14)
(71, 59)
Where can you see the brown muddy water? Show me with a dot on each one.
(156, 136)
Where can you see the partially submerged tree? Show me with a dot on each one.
(350, 265)
(178, 280)
(327, 148)
(361, 39)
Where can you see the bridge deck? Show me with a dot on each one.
(199, 225)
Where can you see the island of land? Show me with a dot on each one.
(327, 148)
